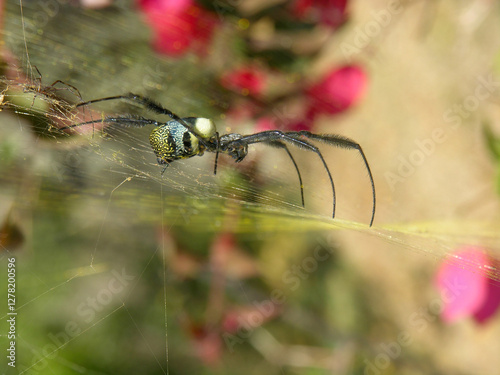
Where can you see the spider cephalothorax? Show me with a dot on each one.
(182, 138)
(230, 144)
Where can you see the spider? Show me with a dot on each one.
(49, 93)
(182, 138)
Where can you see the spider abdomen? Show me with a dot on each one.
(172, 141)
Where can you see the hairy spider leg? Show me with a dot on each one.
(153, 106)
(341, 142)
(282, 145)
(269, 136)
(138, 122)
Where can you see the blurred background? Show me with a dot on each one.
(120, 269)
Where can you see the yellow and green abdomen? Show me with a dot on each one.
(172, 141)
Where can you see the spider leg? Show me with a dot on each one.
(271, 136)
(161, 161)
(152, 106)
(133, 122)
(282, 145)
(68, 87)
(342, 142)
(217, 149)
(39, 78)
(141, 100)
(39, 84)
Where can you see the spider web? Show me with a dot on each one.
(101, 219)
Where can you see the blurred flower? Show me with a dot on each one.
(240, 112)
(245, 80)
(96, 4)
(466, 289)
(274, 123)
(230, 259)
(206, 343)
(299, 125)
(338, 91)
(11, 235)
(178, 25)
(285, 124)
(265, 123)
(331, 13)
(250, 317)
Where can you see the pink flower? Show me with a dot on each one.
(245, 80)
(465, 288)
(206, 343)
(250, 316)
(331, 13)
(272, 123)
(338, 91)
(178, 25)
(265, 123)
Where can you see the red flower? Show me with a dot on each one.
(331, 13)
(178, 25)
(265, 123)
(466, 290)
(338, 91)
(246, 80)
(206, 342)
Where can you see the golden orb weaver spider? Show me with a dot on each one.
(182, 138)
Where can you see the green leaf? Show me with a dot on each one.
(492, 142)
